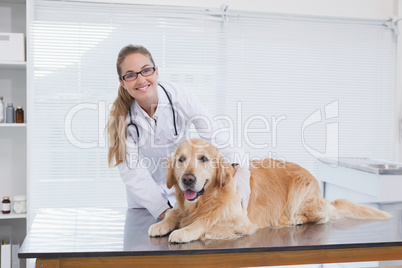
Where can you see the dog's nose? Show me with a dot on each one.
(188, 179)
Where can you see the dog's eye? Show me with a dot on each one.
(204, 159)
(181, 159)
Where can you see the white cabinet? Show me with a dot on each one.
(13, 88)
(361, 179)
(13, 137)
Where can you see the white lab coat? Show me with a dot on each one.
(144, 171)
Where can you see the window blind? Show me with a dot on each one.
(289, 87)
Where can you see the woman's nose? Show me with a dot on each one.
(140, 79)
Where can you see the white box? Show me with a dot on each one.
(12, 47)
(6, 256)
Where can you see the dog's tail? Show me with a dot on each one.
(349, 209)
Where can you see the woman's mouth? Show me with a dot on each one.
(144, 88)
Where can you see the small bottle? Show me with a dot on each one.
(6, 205)
(19, 115)
(2, 112)
(10, 112)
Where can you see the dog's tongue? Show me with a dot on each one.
(189, 195)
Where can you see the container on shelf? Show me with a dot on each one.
(19, 115)
(6, 205)
(10, 113)
(2, 111)
(20, 204)
(12, 47)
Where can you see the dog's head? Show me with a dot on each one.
(197, 167)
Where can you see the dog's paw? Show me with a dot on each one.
(181, 236)
(159, 229)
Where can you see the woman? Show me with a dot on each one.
(148, 121)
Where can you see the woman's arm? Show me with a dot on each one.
(142, 190)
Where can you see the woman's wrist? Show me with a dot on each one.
(162, 216)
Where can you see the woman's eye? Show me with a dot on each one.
(204, 159)
(129, 76)
(146, 71)
(181, 159)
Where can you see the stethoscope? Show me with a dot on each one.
(174, 116)
(138, 132)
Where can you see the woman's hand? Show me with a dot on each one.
(162, 216)
(242, 181)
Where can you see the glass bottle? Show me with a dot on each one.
(6, 205)
(20, 204)
(19, 115)
(2, 112)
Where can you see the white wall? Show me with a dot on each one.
(370, 9)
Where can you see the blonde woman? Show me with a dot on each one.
(148, 121)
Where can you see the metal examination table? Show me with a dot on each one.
(117, 237)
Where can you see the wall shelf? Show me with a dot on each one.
(13, 125)
(13, 65)
(13, 1)
(12, 215)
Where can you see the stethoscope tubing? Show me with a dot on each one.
(173, 112)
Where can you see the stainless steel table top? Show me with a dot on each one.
(94, 232)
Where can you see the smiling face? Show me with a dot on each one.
(196, 167)
(143, 89)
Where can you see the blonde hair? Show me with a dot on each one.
(117, 126)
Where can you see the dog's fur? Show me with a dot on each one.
(282, 194)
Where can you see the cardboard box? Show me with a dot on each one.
(12, 47)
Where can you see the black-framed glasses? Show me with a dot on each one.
(132, 76)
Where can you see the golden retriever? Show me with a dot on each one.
(208, 207)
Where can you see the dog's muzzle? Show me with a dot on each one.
(189, 180)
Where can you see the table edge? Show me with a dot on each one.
(29, 255)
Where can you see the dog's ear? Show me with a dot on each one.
(223, 174)
(170, 180)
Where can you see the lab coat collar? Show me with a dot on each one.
(163, 102)
(136, 110)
